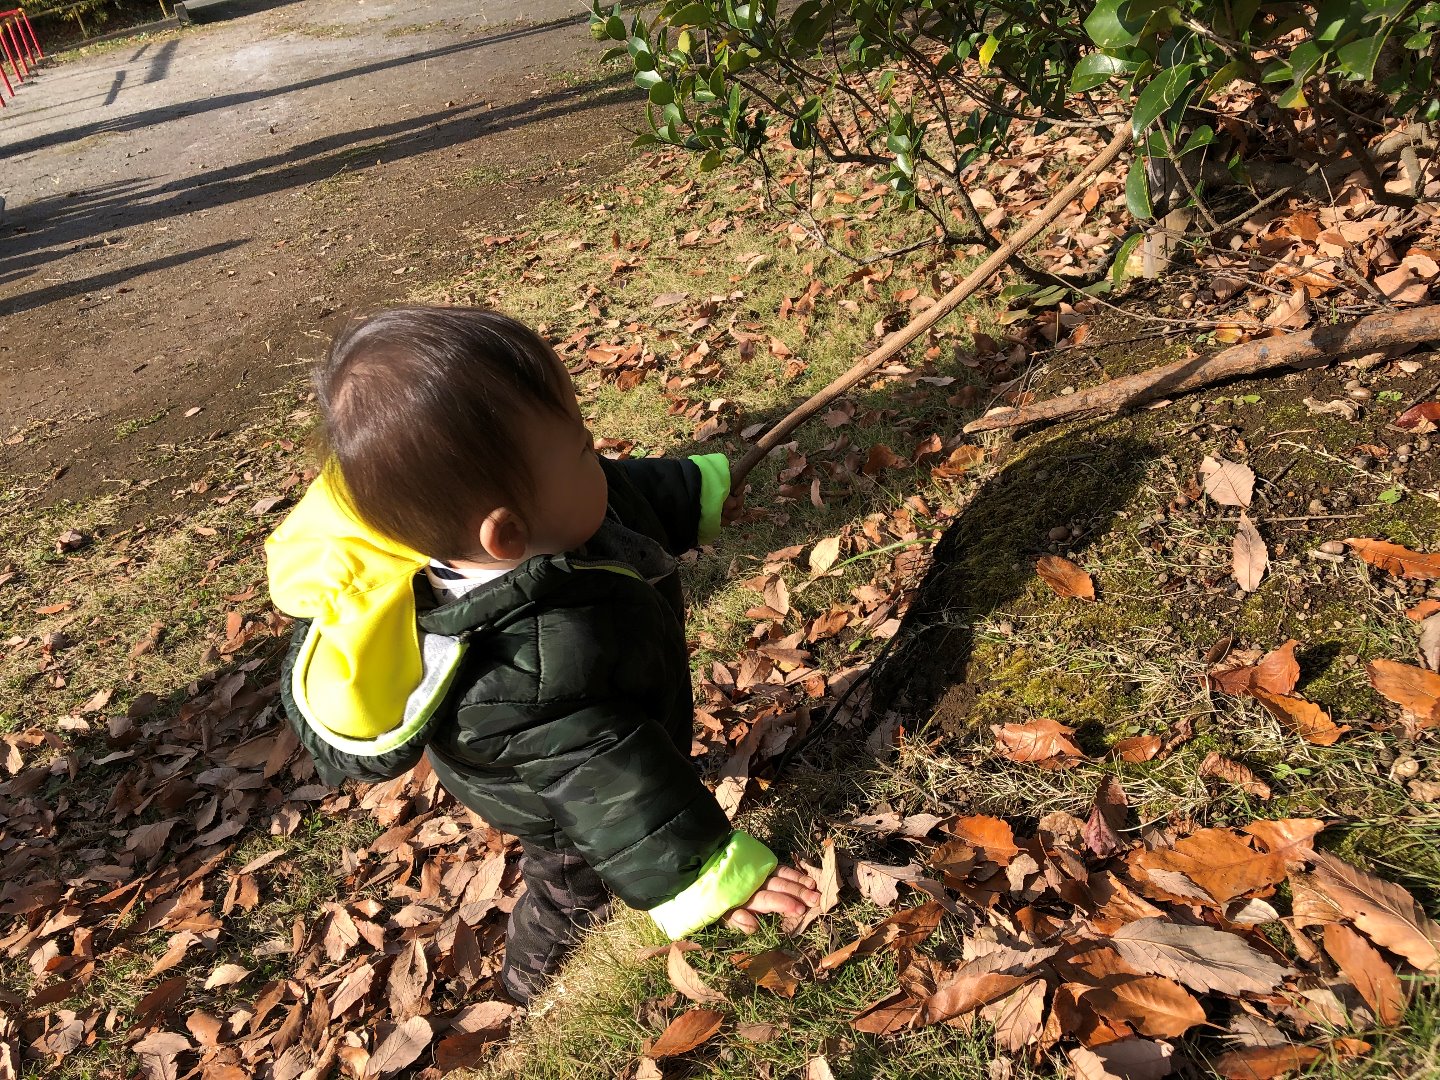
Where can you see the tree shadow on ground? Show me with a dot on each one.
(1076, 479)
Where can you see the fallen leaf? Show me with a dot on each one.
(1413, 688)
(1126, 1059)
(964, 991)
(1150, 1004)
(1428, 644)
(157, 1052)
(1199, 957)
(827, 883)
(401, 1047)
(669, 299)
(1228, 482)
(888, 1015)
(1367, 971)
(1018, 1017)
(226, 975)
(824, 555)
(1232, 772)
(1107, 818)
(992, 835)
(1038, 740)
(1220, 863)
(686, 1032)
(1266, 1062)
(961, 460)
(1136, 749)
(1305, 718)
(1249, 557)
(1395, 560)
(1065, 577)
(880, 458)
(775, 970)
(1291, 838)
(1413, 417)
(1278, 672)
(688, 981)
(1381, 910)
(817, 1068)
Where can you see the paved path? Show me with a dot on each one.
(186, 216)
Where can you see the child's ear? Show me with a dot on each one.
(504, 536)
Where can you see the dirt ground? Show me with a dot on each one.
(186, 218)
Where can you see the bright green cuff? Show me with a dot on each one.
(714, 490)
(729, 877)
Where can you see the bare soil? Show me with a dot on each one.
(187, 218)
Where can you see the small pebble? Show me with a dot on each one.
(1405, 768)
(1352, 384)
(1404, 450)
(1066, 391)
(1196, 408)
(1333, 547)
(1360, 394)
(1059, 533)
(1422, 444)
(1316, 506)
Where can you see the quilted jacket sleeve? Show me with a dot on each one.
(686, 494)
(623, 794)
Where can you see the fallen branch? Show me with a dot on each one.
(1321, 345)
(933, 314)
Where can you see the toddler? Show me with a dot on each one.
(472, 581)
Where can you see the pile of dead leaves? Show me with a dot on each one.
(1102, 949)
(141, 871)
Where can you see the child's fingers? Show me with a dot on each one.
(742, 920)
(775, 900)
(789, 873)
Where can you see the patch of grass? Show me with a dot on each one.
(126, 428)
(102, 48)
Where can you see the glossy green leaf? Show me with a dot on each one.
(1095, 69)
(987, 51)
(1359, 57)
(1200, 137)
(1122, 257)
(1137, 191)
(1109, 27)
(1159, 94)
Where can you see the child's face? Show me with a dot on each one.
(568, 501)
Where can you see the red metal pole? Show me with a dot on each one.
(15, 44)
(5, 78)
(30, 30)
(5, 44)
(19, 32)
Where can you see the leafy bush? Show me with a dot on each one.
(876, 81)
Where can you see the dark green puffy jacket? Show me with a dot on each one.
(560, 708)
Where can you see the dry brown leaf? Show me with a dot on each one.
(686, 1032)
(817, 1068)
(1305, 718)
(1381, 910)
(1228, 482)
(1039, 740)
(827, 884)
(964, 991)
(401, 1047)
(880, 458)
(1197, 956)
(824, 555)
(1414, 689)
(961, 460)
(901, 931)
(775, 970)
(1396, 560)
(687, 980)
(1102, 829)
(226, 975)
(1266, 1062)
(1278, 672)
(1249, 556)
(888, 1015)
(1152, 1005)
(1223, 768)
(157, 1052)
(1018, 1017)
(1065, 577)
(1293, 839)
(1136, 749)
(992, 835)
(1126, 1059)
(1220, 863)
(1367, 970)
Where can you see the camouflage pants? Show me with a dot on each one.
(562, 897)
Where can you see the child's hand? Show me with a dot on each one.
(786, 892)
(732, 508)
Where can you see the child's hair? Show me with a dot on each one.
(421, 410)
